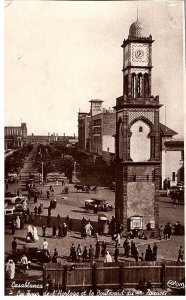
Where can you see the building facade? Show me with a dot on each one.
(84, 132)
(15, 136)
(138, 159)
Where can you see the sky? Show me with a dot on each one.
(61, 54)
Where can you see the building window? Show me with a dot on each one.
(140, 129)
(173, 176)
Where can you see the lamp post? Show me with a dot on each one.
(42, 172)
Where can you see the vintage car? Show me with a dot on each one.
(97, 205)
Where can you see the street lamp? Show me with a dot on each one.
(42, 172)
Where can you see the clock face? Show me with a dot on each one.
(140, 54)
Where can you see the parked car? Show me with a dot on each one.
(98, 205)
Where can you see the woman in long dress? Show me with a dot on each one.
(18, 224)
(88, 229)
(10, 268)
(35, 234)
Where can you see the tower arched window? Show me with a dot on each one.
(126, 85)
(146, 85)
(133, 85)
(139, 85)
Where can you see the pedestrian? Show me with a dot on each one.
(83, 222)
(118, 239)
(55, 255)
(58, 219)
(13, 226)
(125, 243)
(24, 263)
(169, 230)
(48, 194)
(73, 253)
(136, 253)
(45, 245)
(107, 257)
(64, 229)
(161, 232)
(35, 210)
(83, 232)
(48, 221)
(133, 248)
(148, 254)
(91, 253)
(155, 251)
(18, 223)
(104, 248)
(54, 230)
(165, 232)
(98, 249)
(35, 234)
(39, 210)
(127, 249)
(44, 230)
(22, 221)
(79, 253)
(10, 269)
(142, 258)
(60, 231)
(14, 245)
(35, 198)
(180, 254)
(116, 254)
(85, 253)
(49, 211)
(70, 224)
(88, 228)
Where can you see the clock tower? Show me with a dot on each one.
(137, 136)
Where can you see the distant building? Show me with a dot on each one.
(84, 132)
(15, 136)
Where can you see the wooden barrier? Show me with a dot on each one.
(86, 276)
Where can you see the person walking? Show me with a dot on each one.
(98, 249)
(14, 245)
(88, 228)
(44, 230)
(104, 248)
(180, 254)
(169, 230)
(18, 223)
(133, 248)
(118, 239)
(148, 254)
(54, 230)
(35, 210)
(35, 234)
(55, 255)
(13, 226)
(107, 257)
(91, 253)
(60, 231)
(116, 254)
(45, 245)
(79, 253)
(155, 251)
(136, 253)
(65, 229)
(85, 253)
(10, 269)
(160, 232)
(73, 253)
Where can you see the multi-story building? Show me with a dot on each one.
(15, 136)
(84, 132)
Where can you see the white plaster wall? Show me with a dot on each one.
(139, 142)
(109, 142)
(171, 163)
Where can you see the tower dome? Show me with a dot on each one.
(136, 30)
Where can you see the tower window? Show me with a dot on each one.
(140, 129)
